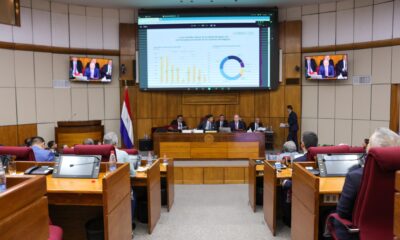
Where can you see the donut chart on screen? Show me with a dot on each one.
(235, 58)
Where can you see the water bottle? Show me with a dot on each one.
(2, 178)
(112, 163)
(149, 159)
(165, 160)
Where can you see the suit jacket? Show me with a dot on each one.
(292, 121)
(174, 124)
(339, 68)
(301, 159)
(217, 124)
(104, 71)
(79, 68)
(96, 74)
(313, 66)
(242, 126)
(349, 194)
(252, 126)
(331, 71)
(203, 125)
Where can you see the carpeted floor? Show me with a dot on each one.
(211, 212)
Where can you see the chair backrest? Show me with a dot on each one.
(131, 151)
(103, 150)
(21, 153)
(356, 150)
(313, 151)
(374, 208)
(68, 151)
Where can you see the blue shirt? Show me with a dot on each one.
(42, 155)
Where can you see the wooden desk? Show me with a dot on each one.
(309, 193)
(24, 213)
(167, 172)
(151, 180)
(397, 206)
(272, 180)
(210, 145)
(111, 193)
(255, 170)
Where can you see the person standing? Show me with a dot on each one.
(293, 126)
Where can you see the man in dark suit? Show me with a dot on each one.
(326, 70)
(255, 125)
(310, 66)
(92, 72)
(106, 70)
(208, 123)
(237, 124)
(178, 123)
(382, 137)
(293, 126)
(341, 67)
(221, 122)
(75, 68)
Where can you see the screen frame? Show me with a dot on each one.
(322, 166)
(326, 79)
(94, 81)
(274, 47)
(60, 161)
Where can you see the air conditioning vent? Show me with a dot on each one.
(362, 80)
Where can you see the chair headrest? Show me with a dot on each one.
(21, 153)
(103, 150)
(388, 158)
(313, 151)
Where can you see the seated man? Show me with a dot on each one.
(208, 123)
(382, 137)
(255, 125)
(88, 141)
(221, 122)
(308, 139)
(178, 123)
(289, 150)
(39, 149)
(326, 70)
(237, 124)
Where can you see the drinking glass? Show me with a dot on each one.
(12, 168)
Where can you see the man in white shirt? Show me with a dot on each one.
(106, 70)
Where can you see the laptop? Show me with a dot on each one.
(225, 129)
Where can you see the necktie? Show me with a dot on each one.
(75, 71)
(344, 65)
(326, 71)
(221, 123)
(255, 126)
(237, 125)
(92, 73)
(309, 67)
(179, 126)
(208, 125)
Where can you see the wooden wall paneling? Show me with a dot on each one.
(189, 111)
(127, 38)
(158, 105)
(279, 133)
(143, 104)
(211, 98)
(192, 122)
(246, 104)
(9, 135)
(234, 175)
(193, 175)
(174, 104)
(293, 37)
(213, 175)
(143, 127)
(395, 107)
(230, 111)
(27, 131)
(277, 102)
(178, 175)
(202, 110)
(293, 97)
(217, 110)
(160, 122)
(261, 104)
(292, 61)
(282, 39)
(127, 60)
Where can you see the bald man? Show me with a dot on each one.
(237, 124)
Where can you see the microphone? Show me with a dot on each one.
(97, 159)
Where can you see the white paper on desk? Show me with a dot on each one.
(142, 169)
(283, 125)
(187, 131)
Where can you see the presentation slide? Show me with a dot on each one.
(205, 57)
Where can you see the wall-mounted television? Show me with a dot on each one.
(208, 49)
(326, 67)
(84, 69)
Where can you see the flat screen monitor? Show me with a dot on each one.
(336, 165)
(208, 49)
(76, 166)
(90, 70)
(326, 67)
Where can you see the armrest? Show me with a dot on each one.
(346, 223)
